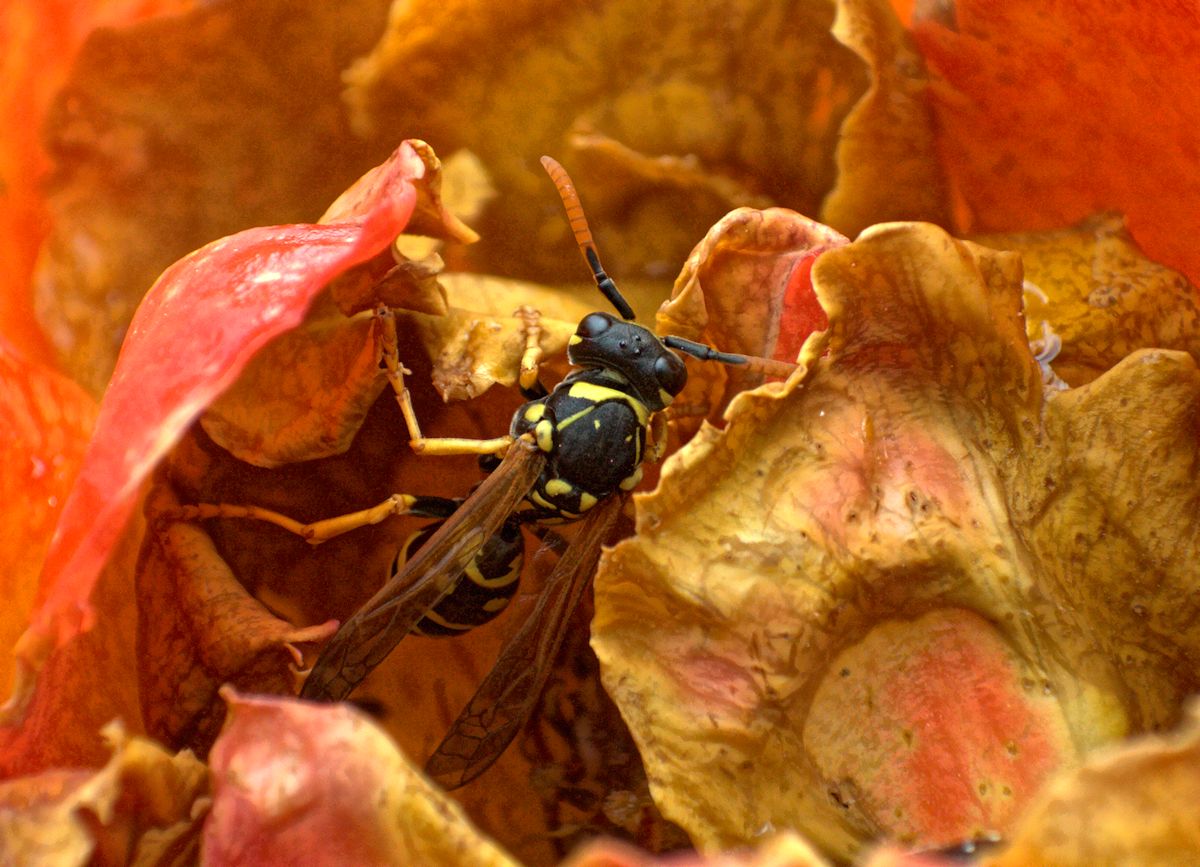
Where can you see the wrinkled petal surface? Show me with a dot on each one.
(747, 288)
(1133, 804)
(905, 587)
(142, 803)
(1100, 296)
(667, 116)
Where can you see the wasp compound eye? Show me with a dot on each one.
(594, 324)
(670, 373)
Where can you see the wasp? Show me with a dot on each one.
(572, 453)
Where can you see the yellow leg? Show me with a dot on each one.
(314, 533)
(532, 356)
(419, 443)
(658, 437)
(461, 446)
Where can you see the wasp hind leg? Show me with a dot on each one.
(314, 533)
(420, 443)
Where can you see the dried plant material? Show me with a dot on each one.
(117, 815)
(197, 329)
(747, 288)
(617, 172)
(1130, 805)
(416, 693)
(886, 165)
(199, 628)
(907, 529)
(48, 420)
(295, 782)
(176, 131)
(304, 396)
(1100, 296)
(667, 81)
(432, 215)
(986, 757)
(81, 686)
(466, 186)
(1043, 113)
(408, 284)
(482, 338)
(782, 850)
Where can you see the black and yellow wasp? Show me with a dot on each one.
(571, 453)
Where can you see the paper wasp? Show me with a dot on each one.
(571, 453)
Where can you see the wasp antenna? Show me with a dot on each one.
(766, 366)
(583, 235)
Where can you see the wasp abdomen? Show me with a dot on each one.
(487, 586)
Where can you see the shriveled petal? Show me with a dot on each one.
(1094, 292)
(1132, 804)
(143, 800)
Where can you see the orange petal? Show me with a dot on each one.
(1042, 117)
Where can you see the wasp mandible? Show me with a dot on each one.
(571, 453)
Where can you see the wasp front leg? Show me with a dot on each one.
(420, 443)
(659, 430)
(531, 386)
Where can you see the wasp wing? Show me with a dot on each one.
(371, 633)
(507, 696)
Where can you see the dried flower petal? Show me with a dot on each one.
(183, 129)
(112, 816)
(1100, 296)
(668, 80)
(782, 850)
(747, 288)
(1133, 804)
(1036, 135)
(909, 528)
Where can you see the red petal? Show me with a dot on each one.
(190, 338)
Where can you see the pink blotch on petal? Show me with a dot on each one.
(713, 685)
(974, 728)
(869, 455)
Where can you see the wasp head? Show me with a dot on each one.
(653, 372)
